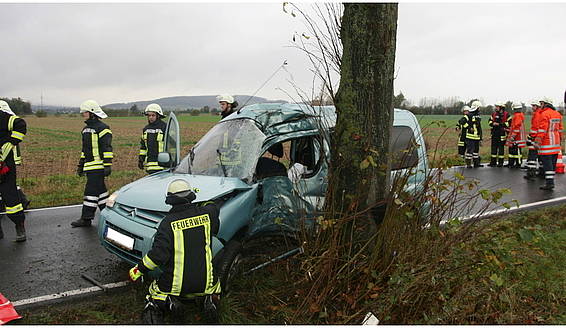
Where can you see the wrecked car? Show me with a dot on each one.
(267, 162)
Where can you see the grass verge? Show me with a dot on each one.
(511, 273)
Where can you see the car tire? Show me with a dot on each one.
(227, 264)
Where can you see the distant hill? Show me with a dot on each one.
(188, 102)
(167, 103)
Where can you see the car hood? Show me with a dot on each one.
(149, 192)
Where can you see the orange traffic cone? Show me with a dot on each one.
(7, 311)
(559, 164)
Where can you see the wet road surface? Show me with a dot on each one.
(55, 255)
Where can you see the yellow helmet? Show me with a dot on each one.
(154, 108)
(92, 106)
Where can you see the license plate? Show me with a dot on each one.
(119, 239)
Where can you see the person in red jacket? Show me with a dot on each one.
(548, 140)
(532, 157)
(516, 140)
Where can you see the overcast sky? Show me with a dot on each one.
(127, 52)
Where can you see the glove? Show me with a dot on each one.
(140, 164)
(80, 171)
(135, 274)
(107, 170)
(4, 169)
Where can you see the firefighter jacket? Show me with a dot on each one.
(549, 133)
(517, 131)
(499, 130)
(12, 131)
(182, 249)
(97, 146)
(151, 144)
(460, 127)
(473, 127)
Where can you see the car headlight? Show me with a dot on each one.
(112, 199)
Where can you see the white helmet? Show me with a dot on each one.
(535, 102)
(5, 107)
(227, 98)
(517, 106)
(178, 187)
(547, 100)
(499, 103)
(465, 108)
(92, 106)
(154, 108)
(476, 104)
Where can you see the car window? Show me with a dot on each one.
(404, 148)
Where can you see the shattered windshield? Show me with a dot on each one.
(229, 149)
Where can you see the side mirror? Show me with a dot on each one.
(164, 160)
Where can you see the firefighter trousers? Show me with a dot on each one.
(472, 152)
(95, 194)
(549, 166)
(515, 156)
(497, 149)
(11, 197)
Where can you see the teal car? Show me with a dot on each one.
(267, 162)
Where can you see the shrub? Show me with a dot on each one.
(195, 112)
(41, 113)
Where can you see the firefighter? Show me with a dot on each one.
(516, 140)
(95, 161)
(182, 250)
(532, 157)
(498, 124)
(548, 140)
(151, 143)
(12, 131)
(473, 135)
(227, 105)
(460, 127)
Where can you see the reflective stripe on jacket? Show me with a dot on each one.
(474, 131)
(152, 143)
(517, 130)
(96, 146)
(12, 131)
(182, 249)
(549, 132)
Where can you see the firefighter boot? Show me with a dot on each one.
(510, 163)
(493, 162)
(477, 162)
(469, 163)
(500, 162)
(81, 223)
(547, 186)
(20, 232)
(531, 174)
(210, 308)
(152, 314)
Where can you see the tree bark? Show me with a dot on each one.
(360, 167)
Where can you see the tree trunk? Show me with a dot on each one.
(364, 103)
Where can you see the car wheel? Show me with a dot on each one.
(227, 265)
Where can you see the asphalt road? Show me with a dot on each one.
(55, 255)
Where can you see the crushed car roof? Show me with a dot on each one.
(279, 118)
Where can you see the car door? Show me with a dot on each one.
(172, 143)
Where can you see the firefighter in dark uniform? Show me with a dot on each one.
(499, 127)
(95, 161)
(473, 135)
(532, 157)
(182, 249)
(227, 105)
(12, 132)
(152, 140)
(462, 130)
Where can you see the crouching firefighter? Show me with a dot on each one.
(12, 132)
(151, 143)
(182, 250)
(95, 161)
